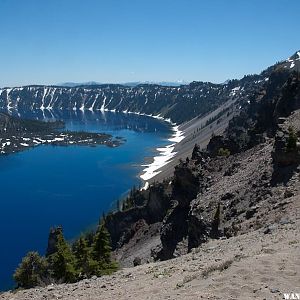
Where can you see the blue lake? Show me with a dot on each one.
(69, 186)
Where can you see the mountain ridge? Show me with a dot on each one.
(179, 104)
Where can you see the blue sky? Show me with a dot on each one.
(53, 41)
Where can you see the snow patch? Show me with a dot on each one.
(165, 155)
(103, 104)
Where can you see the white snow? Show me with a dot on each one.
(50, 105)
(58, 139)
(92, 107)
(24, 145)
(177, 136)
(43, 99)
(8, 91)
(103, 104)
(292, 65)
(82, 107)
(145, 187)
(165, 155)
(9, 107)
(234, 91)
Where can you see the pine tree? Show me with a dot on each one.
(101, 246)
(62, 262)
(101, 251)
(84, 263)
(32, 271)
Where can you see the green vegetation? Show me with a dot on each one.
(223, 152)
(84, 263)
(31, 271)
(89, 255)
(62, 262)
(134, 199)
(101, 252)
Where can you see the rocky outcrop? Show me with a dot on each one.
(260, 115)
(122, 225)
(286, 149)
(218, 143)
(53, 240)
(186, 185)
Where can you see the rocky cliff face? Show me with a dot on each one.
(177, 103)
(122, 225)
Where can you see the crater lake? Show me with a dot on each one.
(70, 186)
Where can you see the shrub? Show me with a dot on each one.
(31, 271)
(223, 152)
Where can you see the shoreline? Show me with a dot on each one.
(164, 156)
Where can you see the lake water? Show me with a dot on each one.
(69, 186)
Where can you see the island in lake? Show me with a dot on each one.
(18, 134)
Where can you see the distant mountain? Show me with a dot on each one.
(132, 84)
(73, 84)
(162, 83)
